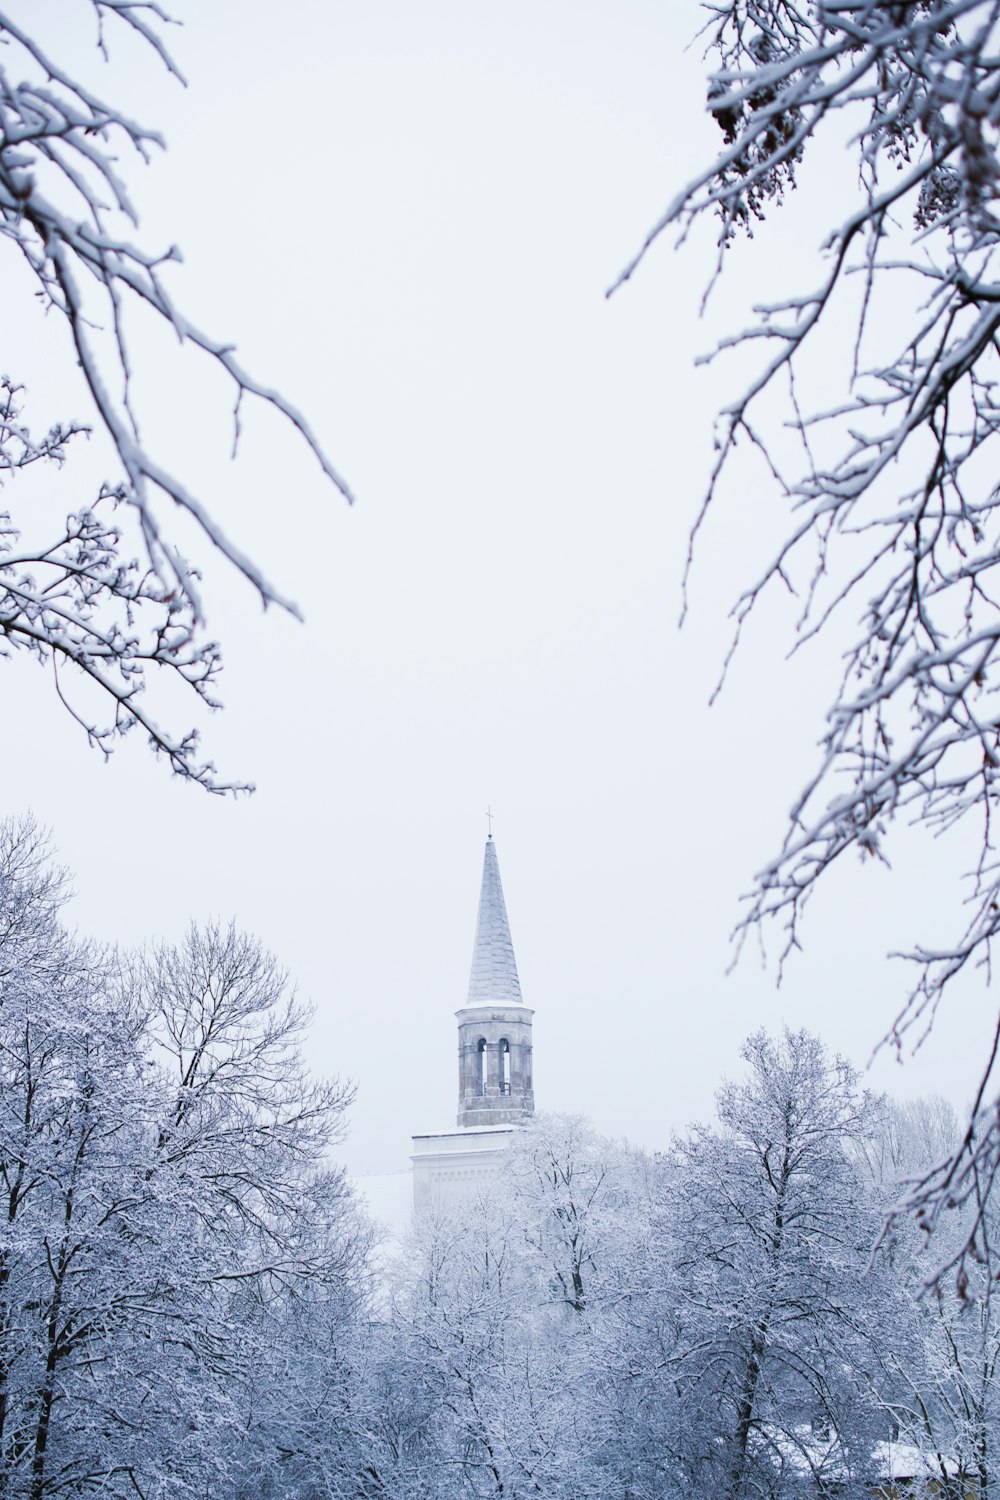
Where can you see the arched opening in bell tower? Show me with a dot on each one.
(504, 1069)
(481, 1066)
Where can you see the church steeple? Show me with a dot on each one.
(494, 1064)
(494, 971)
(494, 1026)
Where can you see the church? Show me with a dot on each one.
(495, 1090)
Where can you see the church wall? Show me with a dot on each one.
(453, 1165)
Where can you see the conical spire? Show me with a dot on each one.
(493, 980)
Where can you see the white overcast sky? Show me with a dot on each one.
(406, 217)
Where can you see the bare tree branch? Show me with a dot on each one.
(64, 205)
(896, 539)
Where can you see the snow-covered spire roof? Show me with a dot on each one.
(493, 980)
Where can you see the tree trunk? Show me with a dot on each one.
(745, 1412)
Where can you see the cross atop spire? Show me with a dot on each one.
(493, 980)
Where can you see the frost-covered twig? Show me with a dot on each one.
(113, 602)
(894, 518)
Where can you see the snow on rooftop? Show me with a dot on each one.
(905, 1461)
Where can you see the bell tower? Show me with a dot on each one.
(494, 1025)
(495, 1090)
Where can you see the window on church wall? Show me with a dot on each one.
(504, 1066)
(481, 1066)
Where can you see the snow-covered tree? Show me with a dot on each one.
(943, 1350)
(737, 1323)
(470, 1350)
(107, 598)
(490, 1378)
(72, 1118)
(777, 1316)
(176, 1253)
(892, 539)
(571, 1193)
(952, 1413)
